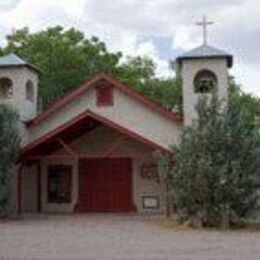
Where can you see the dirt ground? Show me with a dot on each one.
(110, 236)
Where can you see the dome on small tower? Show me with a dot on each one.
(19, 85)
(206, 51)
(12, 60)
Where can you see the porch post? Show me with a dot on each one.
(19, 190)
(76, 186)
(39, 182)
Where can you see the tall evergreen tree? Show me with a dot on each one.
(217, 164)
(9, 145)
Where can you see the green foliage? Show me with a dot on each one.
(217, 170)
(136, 71)
(249, 102)
(67, 59)
(140, 73)
(9, 146)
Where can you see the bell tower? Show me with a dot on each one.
(19, 85)
(203, 70)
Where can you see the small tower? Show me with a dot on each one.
(19, 85)
(203, 69)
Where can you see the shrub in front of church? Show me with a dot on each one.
(9, 146)
(216, 174)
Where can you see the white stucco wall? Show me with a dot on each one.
(25, 108)
(126, 112)
(29, 188)
(189, 70)
(146, 188)
(19, 77)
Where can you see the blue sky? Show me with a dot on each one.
(161, 29)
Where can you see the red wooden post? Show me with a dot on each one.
(39, 187)
(19, 190)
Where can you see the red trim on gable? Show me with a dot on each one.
(99, 118)
(88, 84)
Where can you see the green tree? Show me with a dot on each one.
(249, 102)
(9, 146)
(217, 168)
(139, 72)
(67, 59)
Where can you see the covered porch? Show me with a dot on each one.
(90, 165)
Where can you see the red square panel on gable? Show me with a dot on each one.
(104, 96)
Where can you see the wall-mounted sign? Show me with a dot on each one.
(150, 202)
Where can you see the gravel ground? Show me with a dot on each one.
(114, 237)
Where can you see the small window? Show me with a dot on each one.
(6, 87)
(59, 183)
(205, 81)
(30, 91)
(104, 96)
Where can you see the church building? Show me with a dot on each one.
(93, 150)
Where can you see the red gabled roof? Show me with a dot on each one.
(68, 126)
(90, 83)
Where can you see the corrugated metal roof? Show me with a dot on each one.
(206, 51)
(12, 60)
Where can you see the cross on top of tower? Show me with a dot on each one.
(205, 25)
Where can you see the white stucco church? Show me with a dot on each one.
(92, 150)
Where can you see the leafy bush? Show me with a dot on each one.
(216, 173)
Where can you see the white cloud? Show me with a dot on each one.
(122, 24)
(148, 49)
(248, 76)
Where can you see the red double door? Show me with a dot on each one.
(105, 185)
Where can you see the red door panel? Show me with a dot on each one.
(105, 185)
